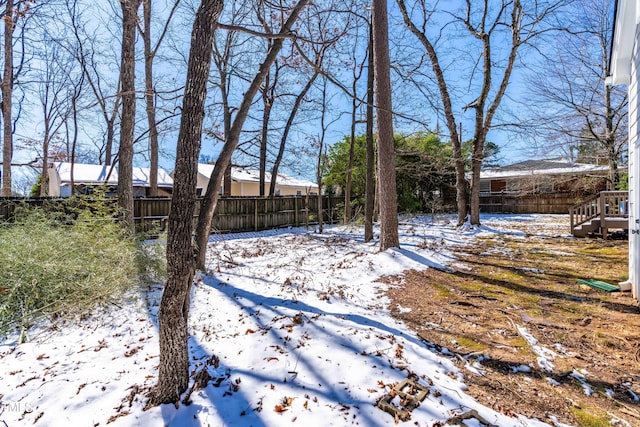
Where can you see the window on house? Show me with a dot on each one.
(514, 186)
(299, 193)
(485, 186)
(545, 186)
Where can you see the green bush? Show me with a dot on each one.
(64, 262)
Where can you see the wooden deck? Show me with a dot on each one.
(599, 214)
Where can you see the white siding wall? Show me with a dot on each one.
(634, 169)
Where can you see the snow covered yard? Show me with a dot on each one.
(293, 327)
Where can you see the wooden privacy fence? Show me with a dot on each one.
(553, 203)
(233, 214)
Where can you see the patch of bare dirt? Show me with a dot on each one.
(511, 286)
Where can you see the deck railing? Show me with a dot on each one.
(606, 204)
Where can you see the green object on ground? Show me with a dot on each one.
(597, 284)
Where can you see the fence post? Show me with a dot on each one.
(306, 202)
(295, 210)
(143, 211)
(255, 214)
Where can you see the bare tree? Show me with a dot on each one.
(231, 139)
(324, 39)
(173, 375)
(127, 124)
(84, 46)
(268, 98)
(287, 129)
(7, 91)
(572, 104)
(356, 73)
(370, 191)
(15, 13)
(53, 87)
(223, 48)
(150, 53)
(499, 28)
(74, 96)
(386, 156)
(321, 153)
(268, 94)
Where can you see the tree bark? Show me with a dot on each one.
(321, 154)
(127, 77)
(173, 374)
(267, 102)
(386, 152)
(226, 187)
(44, 177)
(370, 190)
(231, 140)
(7, 93)
(150, 100)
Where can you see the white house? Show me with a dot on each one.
(624, 68)
(86, 176)
(246, 182)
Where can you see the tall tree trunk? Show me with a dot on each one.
(127, 76)
(226, 187)
(370, 190)
(150, 100)
(108, 148)
(319, 164)
(356, 73)
(173, 374)
(111, 126)
(44, 177)
(74, 142)
(456, 141)
(352, 143)
(476, 166)
(150, 93)
(267, 102)
(484, 120)
(221, 62)
(386, 152)
(285, 133)
(231, 140)
(7, 93)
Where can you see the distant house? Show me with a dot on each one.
(624, 68)
(246, 182)
(87, 176)
(544, 176)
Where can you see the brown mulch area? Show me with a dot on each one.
(508, 285)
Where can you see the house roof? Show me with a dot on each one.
(86, 174)
(252, 175)
(541, 167)
(97, 174)
(141, 178)
(626, 14)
